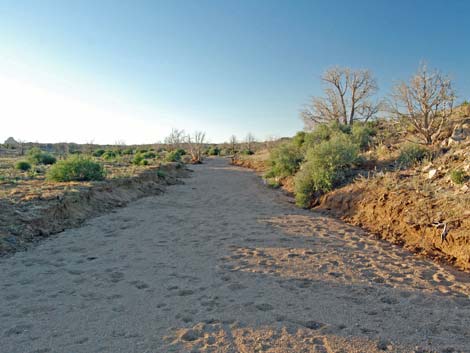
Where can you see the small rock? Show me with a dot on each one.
(264, 307)
(464, 188)
(426, 168)
(185, 292)
(384, 345)
(314, 325)
(432, 173)
(190, 335)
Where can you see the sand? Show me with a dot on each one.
(224, 264)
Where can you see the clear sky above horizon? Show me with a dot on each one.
(102, 71)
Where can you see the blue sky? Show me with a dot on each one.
(132, 70)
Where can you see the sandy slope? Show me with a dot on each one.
(223, 264)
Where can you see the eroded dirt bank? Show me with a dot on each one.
(34, 217)
(223, 264)
(405, 217)
(429, 216)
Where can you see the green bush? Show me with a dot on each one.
(181, 151)
(411, 154)
(247, 152)
(149, 155)
(138, 158)
(284, 160)
(457, 176)
(326, 166)
(304, 187)
(109, 155)
(128, 151)
(47, 158)
(213, 151)
(23, 165)
(324, 132)
(362, 135)
(98, 153)
(173, 156)
(299, 139)
(37, 156)
(76, 168)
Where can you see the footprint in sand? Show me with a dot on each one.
(139, 284)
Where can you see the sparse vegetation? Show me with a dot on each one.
(213, 151)
(411, 154)
(457, 176)
(138, 159)
(149, 155)
(173, 156)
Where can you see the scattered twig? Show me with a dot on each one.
(445, 230)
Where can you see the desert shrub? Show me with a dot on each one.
(304, 187)
(284, 160)
(109, 155)
(181, 151)
(321, 133)
(225, 152)
(128, 151)
(98, 153)
(37, 156)
(138, 158)
(76, 168)
(324, 132)
(144, 162)
(299, 139)
(173, 156)
(247, 152)
(326, 166)
(457, 176)
(34, 155)
(273, 183)
(47, 158)
(149, 155)
(362, 134)
(23, 165)
(213, 151)
(411, 154)
(142, 150)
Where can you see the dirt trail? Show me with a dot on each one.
(223, 264)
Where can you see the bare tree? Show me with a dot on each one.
(347, 98)
(270, 141)
(176, 139)
(233, 143)
(195, 145)
(425, 102)
(249, 140)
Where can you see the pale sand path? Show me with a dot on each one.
(237, 263)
